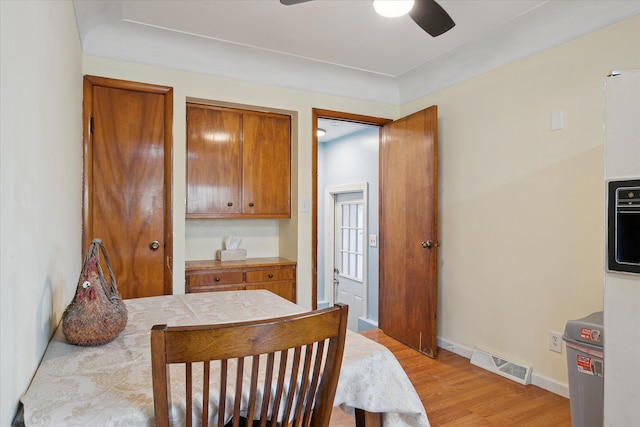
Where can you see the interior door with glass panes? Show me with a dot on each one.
(350, 258)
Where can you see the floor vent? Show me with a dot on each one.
(515, 371)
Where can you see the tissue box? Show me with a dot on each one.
(232, 255)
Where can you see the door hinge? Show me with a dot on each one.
(91, 125)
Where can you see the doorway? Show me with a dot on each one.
(408, 212)
(344, 169)
(346, 249)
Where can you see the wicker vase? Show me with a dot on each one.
(97, 314)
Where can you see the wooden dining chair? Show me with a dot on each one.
(301, 352)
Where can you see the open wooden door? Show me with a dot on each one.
(127, 181)
(408, 230)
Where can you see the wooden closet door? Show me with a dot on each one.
(127, 181)
(408, 230)
(266, 151)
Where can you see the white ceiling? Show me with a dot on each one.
(336, 47)
(336, 129)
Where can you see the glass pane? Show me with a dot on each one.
(345, 215)
(345, 239)
(360, 216)
(353, 220)
(359, 248)
(346, 270)
(359, 273)
(352, 240)
(352, 265)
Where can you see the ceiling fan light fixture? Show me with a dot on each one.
(392, 8)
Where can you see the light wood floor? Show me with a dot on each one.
(456, 393)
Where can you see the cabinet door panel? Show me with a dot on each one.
(213, 161)
(266, 164)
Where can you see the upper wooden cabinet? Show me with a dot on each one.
(238, 163)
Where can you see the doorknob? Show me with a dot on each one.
(154, 245)
(429, 244)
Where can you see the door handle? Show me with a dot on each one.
(154, 245)
(429, 244)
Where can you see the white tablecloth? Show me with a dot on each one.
(110, 385)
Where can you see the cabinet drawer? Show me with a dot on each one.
(269, 275)
(215, 278)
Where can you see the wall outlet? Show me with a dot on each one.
(555, 341)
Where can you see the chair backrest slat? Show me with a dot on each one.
(282, 371)
(222, 397)
(253, 387)
(238, 397)
(266, 391)
(293, 365)
(313, 388)
(205, 393)
(288, 405)
(304, 387)
(189, 391)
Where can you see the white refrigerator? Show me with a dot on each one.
(621, 289)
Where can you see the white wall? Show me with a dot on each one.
(622, 291)
(41, 183)
(521, 206)
(260, 237)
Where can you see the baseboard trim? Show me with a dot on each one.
(550, 384)
(456, 348)
(538, 380)
(365, 324)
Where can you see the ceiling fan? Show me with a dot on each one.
(428, 14)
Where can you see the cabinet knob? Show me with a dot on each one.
(154, 245)
(270, 275)
(230, 204)
(217, 279)
(250, 204)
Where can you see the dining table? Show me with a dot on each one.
(111, 384)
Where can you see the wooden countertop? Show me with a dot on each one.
(210, 264)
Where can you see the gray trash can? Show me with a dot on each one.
(585, 361)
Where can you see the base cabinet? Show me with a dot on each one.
(277, 275)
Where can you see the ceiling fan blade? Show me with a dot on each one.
(291, 2)
(431, 17)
